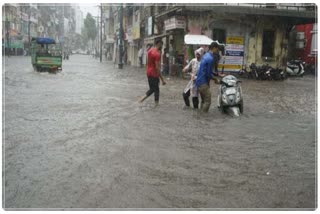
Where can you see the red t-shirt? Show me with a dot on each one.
(153, 57)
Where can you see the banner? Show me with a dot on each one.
(150, 26)
(176, 22)
(235, 40)
(14, 44)
(234, 54)
(129, 35)
(136, 31)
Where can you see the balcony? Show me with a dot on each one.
(293, 9)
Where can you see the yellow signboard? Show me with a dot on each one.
(235, 40)
(136, 32)
(231, 67)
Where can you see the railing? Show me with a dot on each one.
(283, 6)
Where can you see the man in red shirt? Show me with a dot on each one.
(153, 72)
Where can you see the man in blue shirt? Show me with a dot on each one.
(205, 74)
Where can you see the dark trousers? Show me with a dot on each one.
(140, 61)
(154, 88)
(195, 100)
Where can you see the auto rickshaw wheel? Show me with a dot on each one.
(53, 71)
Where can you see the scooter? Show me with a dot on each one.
(230, 96)
(295, 68)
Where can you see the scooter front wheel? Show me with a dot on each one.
(234, 111)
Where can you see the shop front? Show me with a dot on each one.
(14, 43)
(175, 29)
(109, 45)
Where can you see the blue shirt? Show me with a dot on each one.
(205, 72)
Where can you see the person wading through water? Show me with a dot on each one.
(205, 74)
(191, 88)
(154, 73)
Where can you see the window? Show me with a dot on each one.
(268, 43)
(220, 35)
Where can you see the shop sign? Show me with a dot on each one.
(234, 54)
(129, 34)
(14, 44)
(229, 67)
(150, 26)
(176, 22)
(235, 40)
(136, 31)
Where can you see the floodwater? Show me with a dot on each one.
(80, 139)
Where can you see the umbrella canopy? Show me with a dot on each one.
(197, 40)
(200, 40)
(44, 40)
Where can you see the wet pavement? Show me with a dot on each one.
(80, 139)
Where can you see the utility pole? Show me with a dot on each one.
(7, 35)
(101, 33)
(97, 45)
(29, 30)
(121, 37)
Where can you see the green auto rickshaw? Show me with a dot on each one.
(46, 55)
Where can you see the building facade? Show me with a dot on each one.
(23, 21)
(252, 33)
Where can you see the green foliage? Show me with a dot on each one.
(84, 35)
(77, 41)
(90, 30)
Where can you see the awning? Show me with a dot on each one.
(152, 38)
(197, 40)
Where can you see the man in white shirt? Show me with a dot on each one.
(140, 55)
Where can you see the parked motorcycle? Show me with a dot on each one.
(295, 68)
(246, 73)
(277, 74)
(266, 72)
(230, 96)
(254, 70)
(260, 72)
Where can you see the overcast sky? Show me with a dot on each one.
(89, 8)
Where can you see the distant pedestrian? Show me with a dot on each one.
(153, 72)
(140, 55)
(165, 58)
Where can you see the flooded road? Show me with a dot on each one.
(80, 139)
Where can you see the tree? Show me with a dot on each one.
(77, 41)
(90, 30)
